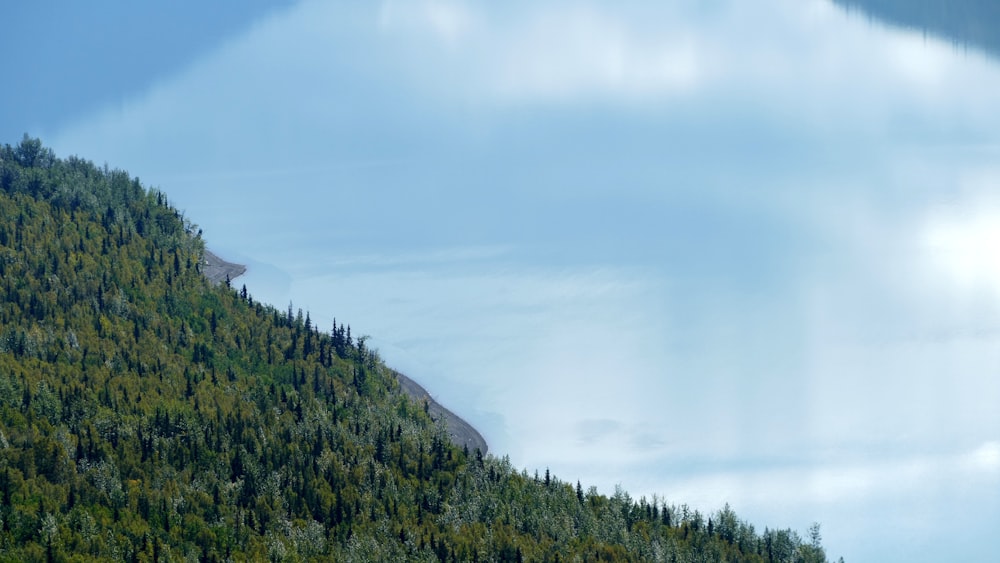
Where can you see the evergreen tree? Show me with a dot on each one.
(119, 441)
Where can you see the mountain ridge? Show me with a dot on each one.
(969, 23)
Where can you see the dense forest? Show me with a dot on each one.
(970, 23)
(147, 414)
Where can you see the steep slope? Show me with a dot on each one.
(964, 22)
(147, 414)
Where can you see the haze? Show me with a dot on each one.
(716, 252)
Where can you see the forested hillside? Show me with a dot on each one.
(149, 415)
(974, 23)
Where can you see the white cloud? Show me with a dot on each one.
(558, 55)
(927, 64)
(985, 458)
(450, 21)
(558, 52)
(441, 256)
(961, 238)
(809, 61)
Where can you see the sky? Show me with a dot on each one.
(717, 252)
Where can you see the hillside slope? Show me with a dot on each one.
(968, 23)
(147, 414)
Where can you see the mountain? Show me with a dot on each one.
(149, 414)
(969, 23)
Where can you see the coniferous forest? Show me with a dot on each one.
(969, 23)
(147, 414)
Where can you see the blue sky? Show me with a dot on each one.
(716, 252)
(70, 58)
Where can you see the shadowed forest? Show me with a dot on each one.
(969, 23)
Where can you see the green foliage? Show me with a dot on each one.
(147, 414)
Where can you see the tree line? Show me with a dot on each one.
(149, 415)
